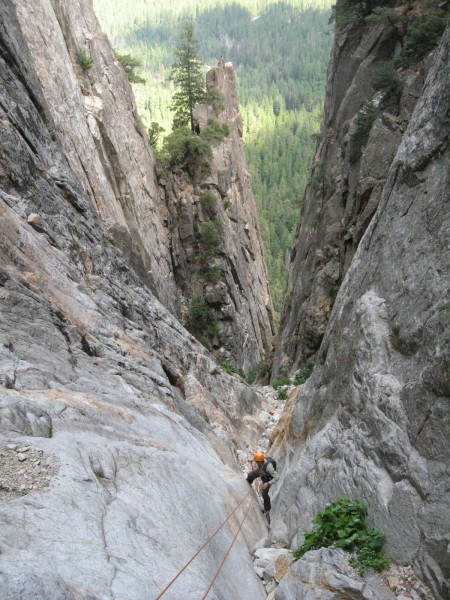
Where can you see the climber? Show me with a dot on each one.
(267, 470)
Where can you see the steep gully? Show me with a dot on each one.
(121, 419)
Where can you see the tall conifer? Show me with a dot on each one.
(187, 74)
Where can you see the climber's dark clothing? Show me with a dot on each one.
(268, 475)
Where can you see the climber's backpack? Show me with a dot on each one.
(269, 459)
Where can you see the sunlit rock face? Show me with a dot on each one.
(155, 221)
(118, 431)
(344, 191)
(239, 299)
(373, 421)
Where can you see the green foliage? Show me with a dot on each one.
(215, 131)
(84, 60)
(188, 76)
(282, 394)
(333, 290)
(356, 11)
(211, 274)
(189, 151)
(210, 247)
(208, 202)
(304, 373)
(364, 121)
(209, 235)
(386, 79)
(342, 525)
(154, 132)
(279, 382)
(280, 59)
(214, 98)
(230, 369)
(387, 15)
(259, 370)
(200, 320)
(130, 64)
(422, 36)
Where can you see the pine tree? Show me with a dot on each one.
(187, 74)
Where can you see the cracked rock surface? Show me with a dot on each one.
(373, 421)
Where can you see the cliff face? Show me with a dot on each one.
(344, 190)
(238, 297)
(114, 420)
(373, 420)
(94, 117)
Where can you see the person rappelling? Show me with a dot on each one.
(266, 469)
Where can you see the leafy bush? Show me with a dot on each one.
(422, 36)
(303, 373)
(333, 290)
(342, 525)
(188, 151)
(282, 394)
(279, 382)
(230, 369)
(208, 203)
(200, 320)
(215, 131)
(214, 99)
(210, 241)
(84, 60)
(259, 370)
(211, 274)
(364, 121)
(387, 80)
(129, 64)
(210, 238)
(154, 132)
(354, 11)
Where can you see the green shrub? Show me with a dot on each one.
(342, 525)
(129, 64)
(422, 36)
(211, 274)
(208, 203)
(259, 370)
(304, 373)
(333, 290)
(230, 369)
(84, 60)
(189, 151)
(282, 394)
(200, 320)
(279, 382)
(215, 131)
(364, 121)
(347, 12)
(154, 132)
(214, 99)
(387, 80)
(210, 239)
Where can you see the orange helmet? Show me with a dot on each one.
(258, 457)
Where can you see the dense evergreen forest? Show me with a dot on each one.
(280, 52)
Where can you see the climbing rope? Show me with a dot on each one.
(227, 553)
(205, 544)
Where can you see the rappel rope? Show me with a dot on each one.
(205, 544)
(228, 552)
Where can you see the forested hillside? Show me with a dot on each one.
(280, 52)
